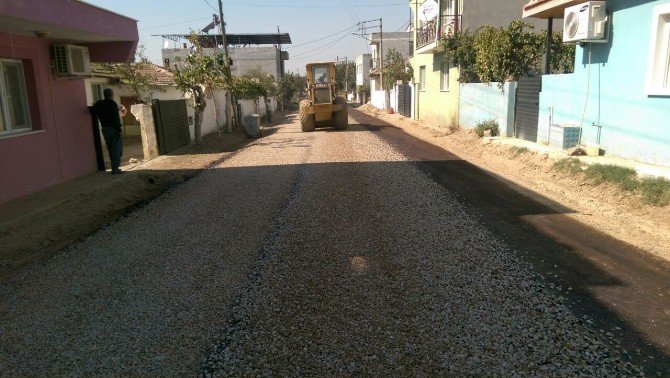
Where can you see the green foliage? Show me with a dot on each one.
(345, 75)
(505, 54)
(137, 75)
(459, 50)
(655, 191)
(519, 150)
(291, 87)
(626, 178)
(490, 125)
(395, 69)
(562, 55)
(364, 90)
(569, 165)
(501, 54)
(199, 74)
(254, 84)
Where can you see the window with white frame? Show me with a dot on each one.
(14, 115)
(444, 76)
(658, 70)
(97, 89)
(422, 78)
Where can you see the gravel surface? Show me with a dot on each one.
(353, 263)
(375, 269)
(146, 295)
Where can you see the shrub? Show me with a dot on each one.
(518, 150)
(569, 165)
(655, 191)
(626, 178)
(491, 125)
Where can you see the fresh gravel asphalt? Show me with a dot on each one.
(324, 253)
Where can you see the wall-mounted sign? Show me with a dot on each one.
(429, 10)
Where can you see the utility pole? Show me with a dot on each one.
(226, 72)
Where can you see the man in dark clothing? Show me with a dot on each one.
(107, 111)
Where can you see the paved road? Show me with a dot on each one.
(304, 254)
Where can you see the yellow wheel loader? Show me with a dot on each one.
(323, 107)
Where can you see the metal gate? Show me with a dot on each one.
(404, 93)
(171, 121)
(527, 108)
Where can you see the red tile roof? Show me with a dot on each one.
(161, 75)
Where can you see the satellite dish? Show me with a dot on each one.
(572, 24)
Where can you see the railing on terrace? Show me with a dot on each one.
(431, 31)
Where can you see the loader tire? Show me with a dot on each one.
(341, 116)
(307, 121)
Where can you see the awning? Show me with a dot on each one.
(548, 8)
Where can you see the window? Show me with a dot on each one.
(422, 78)
(658, 70)
(320, 74)
(13, 99)
(96, 89)
(444, 76)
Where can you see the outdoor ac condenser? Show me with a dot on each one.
(71, 60)
(586, 22)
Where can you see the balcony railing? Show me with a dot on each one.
(432, 31)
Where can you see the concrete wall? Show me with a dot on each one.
(634, 125)
(60, 146)
(244, 58)
(481, 102)
(377, 96)
(499, 13)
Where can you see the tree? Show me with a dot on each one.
(459, 50)
(562, 55)
(395, 69)
(505, 54)
(197, 76)
(254, 84)
(345, 75)
(138, 75)
(290, 87)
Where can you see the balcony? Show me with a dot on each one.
(429, 34)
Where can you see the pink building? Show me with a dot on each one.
(45, 129)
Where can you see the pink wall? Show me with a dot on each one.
(31, 162)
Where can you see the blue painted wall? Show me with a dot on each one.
(634, 125)
(481, 102)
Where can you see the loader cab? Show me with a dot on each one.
(320, 82)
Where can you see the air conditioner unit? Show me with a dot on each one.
(71, 60)
(586, 22)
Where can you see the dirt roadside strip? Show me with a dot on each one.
(605, 207)
(35, 227)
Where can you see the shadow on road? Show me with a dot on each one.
(625, 290)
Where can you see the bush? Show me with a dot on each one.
(626, 178)
(519, 150)
(491, 125)
(569, 165)
(655, 191)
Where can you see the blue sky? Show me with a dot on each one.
(305, 20)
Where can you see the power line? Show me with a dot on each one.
(210, 5)
(322, 38)
(177, 23)
(320, 49)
